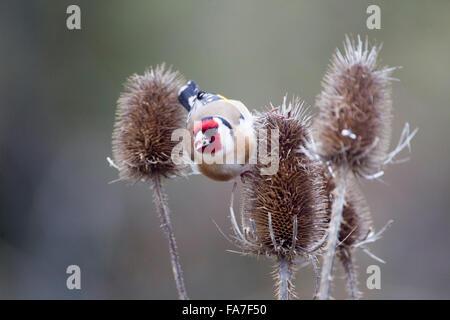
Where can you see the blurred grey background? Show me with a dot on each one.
(58, 91)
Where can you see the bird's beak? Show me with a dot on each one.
(200, 141)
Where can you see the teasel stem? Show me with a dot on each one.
(346, 258)
(166, 225)
(284, 277)
(333, 233)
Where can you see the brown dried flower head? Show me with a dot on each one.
(285, 214)
(356, 219)
(147, 114)
(353, 126)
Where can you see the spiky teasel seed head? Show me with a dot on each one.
(147, 113)
(353, 126)
(284, 214)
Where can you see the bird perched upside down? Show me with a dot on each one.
(222, 133)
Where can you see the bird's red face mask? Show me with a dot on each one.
(207, 136)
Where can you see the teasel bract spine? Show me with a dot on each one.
(352, 129)
(284, 214)
(147, 113)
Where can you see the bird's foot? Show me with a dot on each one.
(274, 109)
(276, 114)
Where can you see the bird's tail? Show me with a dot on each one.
(188, 94)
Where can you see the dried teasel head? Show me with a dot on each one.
(284, 213)
(147, 114)
(353, 126)
(356, 219)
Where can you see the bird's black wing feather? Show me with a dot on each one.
(188, 94)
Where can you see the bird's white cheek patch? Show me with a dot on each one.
(198, 141)
(191, 100)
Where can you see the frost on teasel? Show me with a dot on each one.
(284, 215)
(147, 113)
(353, 126)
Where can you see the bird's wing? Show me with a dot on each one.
(188, 94)
(245, 113)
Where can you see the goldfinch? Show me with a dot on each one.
(222, 136)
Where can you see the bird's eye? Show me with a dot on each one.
(200, 94)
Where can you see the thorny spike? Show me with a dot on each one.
(404, 141)
(370, 254)
(239, 252)
(294, 234)
(236, 228)
(111, 163)
(252, 223)
(272, 235)
(372, 237)
(375, 176)
(346, 237)
(221, 232)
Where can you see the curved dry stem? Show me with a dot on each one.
(166, 225)
(346, 258)
(333, 232)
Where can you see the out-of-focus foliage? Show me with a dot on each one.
(58, 91)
